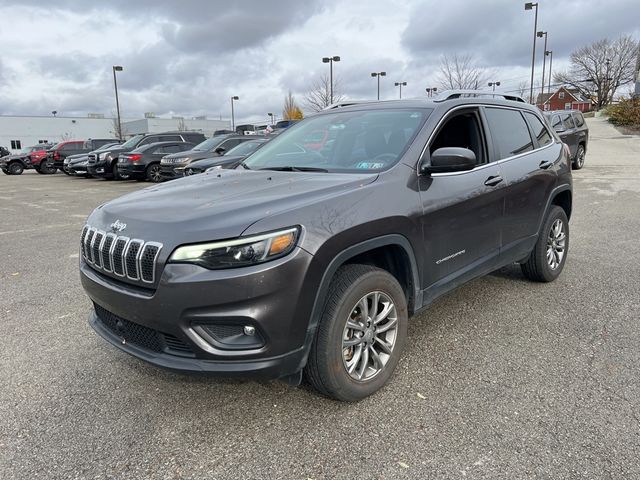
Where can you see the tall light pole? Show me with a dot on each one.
(544, 60)
(379, 74)
(330, 61)
(233, 118)
(530, 6)
(549, 53)
(117, 68)
(400, 84)
(431, 91)
(494, 85)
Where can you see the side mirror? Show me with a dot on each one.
(449, 159)
(220, 150)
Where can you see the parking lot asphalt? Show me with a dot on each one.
(502, 378)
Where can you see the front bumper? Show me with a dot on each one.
(131, 169)
(189, 298)
(169, 172)
(99, 169)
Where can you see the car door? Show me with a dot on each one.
(569, 135)
(528, 158)
(462, 211)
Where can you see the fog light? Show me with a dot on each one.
(249, 330)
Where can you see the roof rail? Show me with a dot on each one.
(451, 94)
(348, 103)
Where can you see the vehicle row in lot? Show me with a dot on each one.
(27, 158)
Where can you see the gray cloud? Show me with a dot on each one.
(188, 58)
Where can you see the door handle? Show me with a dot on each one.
(493, 181)
(546, 164)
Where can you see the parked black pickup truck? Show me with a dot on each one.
(572, 130)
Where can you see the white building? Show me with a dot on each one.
(17, 132)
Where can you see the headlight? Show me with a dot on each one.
(240, 252)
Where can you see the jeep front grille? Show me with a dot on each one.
(127, 257)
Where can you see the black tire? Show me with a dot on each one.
(37, 169)
(537, 267)
(578, 162)
(63, 170)
(46, 169)
(152, 173)
(326, 368)
(116, 173)
(15, 168)
(6, 172)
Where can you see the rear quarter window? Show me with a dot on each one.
(539, 130)
(509, 132)
(567, 121)
(579, 119)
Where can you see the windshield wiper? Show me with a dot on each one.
(290, 168)
(245, 165)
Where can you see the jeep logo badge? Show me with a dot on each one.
(118, 226)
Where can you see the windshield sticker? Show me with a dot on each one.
(369, 166)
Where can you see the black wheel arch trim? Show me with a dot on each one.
(339, 260)
(554, 193)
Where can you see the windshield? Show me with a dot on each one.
(132, 142)
(245, 148)
(209, 144)
(343, 141)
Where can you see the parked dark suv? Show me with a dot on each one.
(143, 163)
(313, 261)
(572, 130)
(105, 164)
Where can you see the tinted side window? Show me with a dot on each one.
(171, 149)
(229, 144)
(539, 130)
(567, 121)
(556, 123)
(170, 138)
(509, 132)
(148, 140)
(579, 119)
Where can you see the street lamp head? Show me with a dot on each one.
(54, 112)
(326, 59)
(435, 89)
(530, 5)
(235, 97)
(541, 33)
(497, 84)
(383, 74)
(336, 58)
(548, 52)
(374, 74)
(117, 68)
(270, 114)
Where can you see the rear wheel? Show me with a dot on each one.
(15, 168)
(361, 334)
(547, 259)
(153, 173)
(578, 163)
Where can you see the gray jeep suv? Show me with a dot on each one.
(313, 260)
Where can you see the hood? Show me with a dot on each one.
(71, 158)
(218, 205)
(191, 154)
(8, 158)
(217, 160)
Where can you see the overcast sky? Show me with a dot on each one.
(188, 57)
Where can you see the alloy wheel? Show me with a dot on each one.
(556, 244)
(369, 336)
(154, 173)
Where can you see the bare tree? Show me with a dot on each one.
(523, 88)
(599, 69)
(181, 125)
(291, 109)
(461, 72)
(319, 95)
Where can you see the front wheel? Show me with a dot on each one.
(116, 173)
(361, 334)
(15, 168)
(578, 163)
(547, 259)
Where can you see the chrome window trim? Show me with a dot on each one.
(485, 165)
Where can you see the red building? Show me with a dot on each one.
(564, 99)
